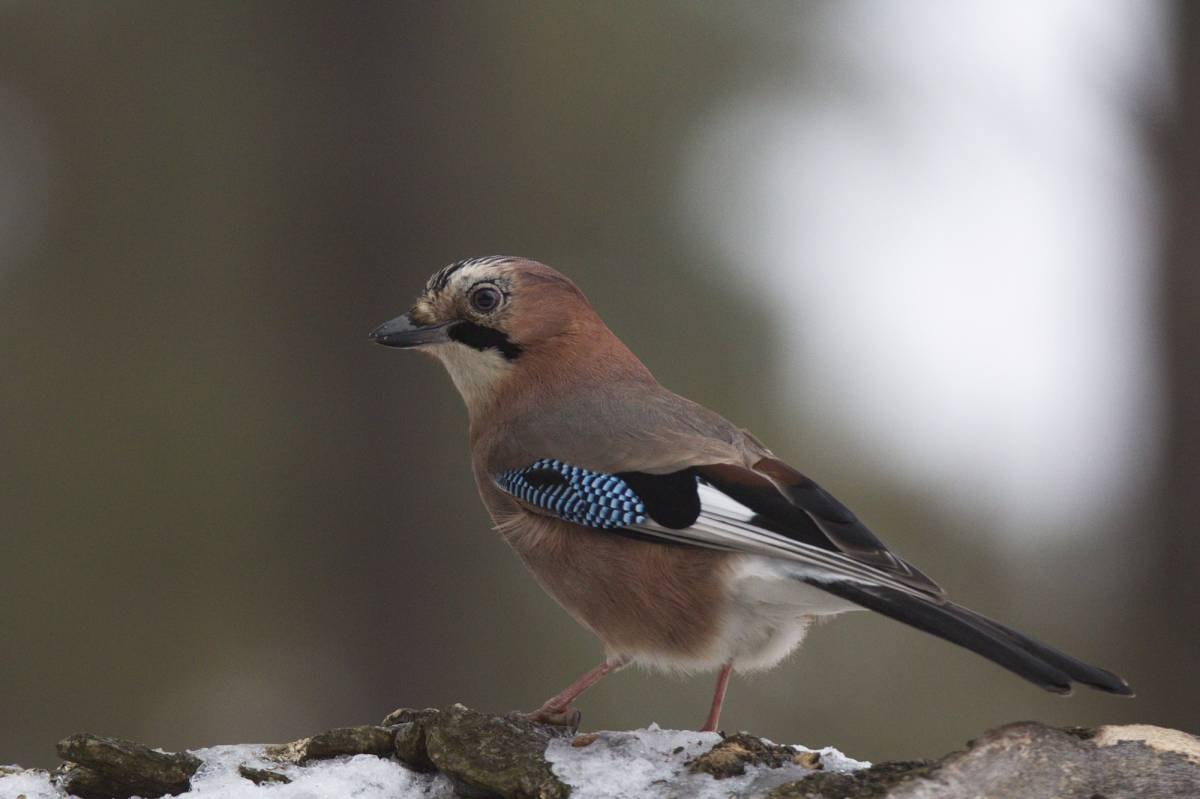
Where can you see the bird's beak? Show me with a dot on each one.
(401, 332)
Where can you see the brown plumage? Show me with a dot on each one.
(733, 552)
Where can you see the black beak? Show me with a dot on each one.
(401, 332)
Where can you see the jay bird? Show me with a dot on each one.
(673, 535)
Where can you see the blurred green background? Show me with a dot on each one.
(226, 517)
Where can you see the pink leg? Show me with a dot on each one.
(714, 714)
(557, 709)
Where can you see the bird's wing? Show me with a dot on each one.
(771, 510)
(768, 509)
(789, 504)
(704, 481)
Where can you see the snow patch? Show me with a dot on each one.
(616, 765)
(30, 784)
(360, 777)
(652, 762)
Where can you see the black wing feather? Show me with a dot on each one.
(1040, 664)
(795, 506)
(672, 499)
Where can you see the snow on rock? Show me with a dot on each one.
(429, 754)
(655, 762)
(360, 776)
(30, 784)
(650, 762)
(483, 754)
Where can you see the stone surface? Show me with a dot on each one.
(84, 782)
(875, 782)
(409, 727)
(112, 767)
(1033, 761)
(493, 755)
(407, 715)
(262, 776)
(1159, 738)
(730, 757)
(367, 739)
(502, 756)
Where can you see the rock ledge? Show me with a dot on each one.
(458, 751)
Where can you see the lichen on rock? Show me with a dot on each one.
(730, 757)
(102, 768)
(1033, 761)
(501, 755)
(366, 739)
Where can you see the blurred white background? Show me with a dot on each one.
(949, 209)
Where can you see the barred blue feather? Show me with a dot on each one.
(592, 499)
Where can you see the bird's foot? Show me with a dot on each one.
(568, 716)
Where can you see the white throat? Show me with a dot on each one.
(476, 374)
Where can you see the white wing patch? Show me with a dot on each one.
(726, 524)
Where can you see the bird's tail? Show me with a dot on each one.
(1020, 654)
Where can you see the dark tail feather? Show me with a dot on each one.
(1020, 654)
(1078, 670)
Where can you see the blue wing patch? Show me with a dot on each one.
(592, 499)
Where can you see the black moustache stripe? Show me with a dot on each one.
(482, 338)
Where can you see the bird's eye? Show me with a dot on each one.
(486, 299)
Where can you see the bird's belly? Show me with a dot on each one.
(676, 608)
(659, 604)
(768, 612)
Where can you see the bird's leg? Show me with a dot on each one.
(714, 713)
(557, 709)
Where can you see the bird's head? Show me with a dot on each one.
(491, 319)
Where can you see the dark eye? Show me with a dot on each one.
(486, 299)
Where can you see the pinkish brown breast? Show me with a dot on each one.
(646, 600)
